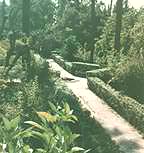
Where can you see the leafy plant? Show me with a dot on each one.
(71, 48)
(128, 78)
(11, 136)
(54, 132)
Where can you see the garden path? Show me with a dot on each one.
(127, 137)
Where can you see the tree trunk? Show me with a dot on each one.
(3, 18)
(26, 17)
(119, 10)
(93, 16)
(110, 8)
(126, 4)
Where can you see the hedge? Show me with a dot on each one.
(58, 59)
(104, 74)
(76, 68)
(127, 107)
(80, 68)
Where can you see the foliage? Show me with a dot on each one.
(11, 139)
(92, 134)
(44, 41)
(104, 51)
(127, 107)
(128, 70)
(70, 49)
(66, 26)
(52, 132)
(137, 47)
(104, 45)
(128, 78)
(42, 13)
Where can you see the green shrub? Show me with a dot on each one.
(71, 48)
(137, 32)
(127, 107)
(52, 131)
(80, 68)
(104, 74)
(129, 78)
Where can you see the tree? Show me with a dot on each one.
(42, 14)
(15, 15)
(61, 8)
(4, 17)
(93, 16)
(118, 26)
(26, 16)
(125, 5)
(110, 7)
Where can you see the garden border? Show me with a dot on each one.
(75, 68)
(127, 107)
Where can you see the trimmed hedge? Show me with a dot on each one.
(58, 59)
(80, 68)
(127, 107)
(104, 74)
(68, 66)
(76, 68)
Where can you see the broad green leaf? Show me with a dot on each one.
(74, 117)
(26, 149)
(0, 147)
(6, 123)
(87, 151)
(35, 125)
(15, 122)
(40, 151)
(39, 135)
(76, 149)
(53, 107)
(11, 148)
(24, 134)
(67, 108)
(47, 116)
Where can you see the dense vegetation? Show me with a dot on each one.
(81, 31)
(36, 117)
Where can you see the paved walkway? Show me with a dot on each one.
(129, 140)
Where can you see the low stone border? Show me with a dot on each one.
(104, 74)
(58, 59)
(127, 107)
(76, 68)
(80, 68)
